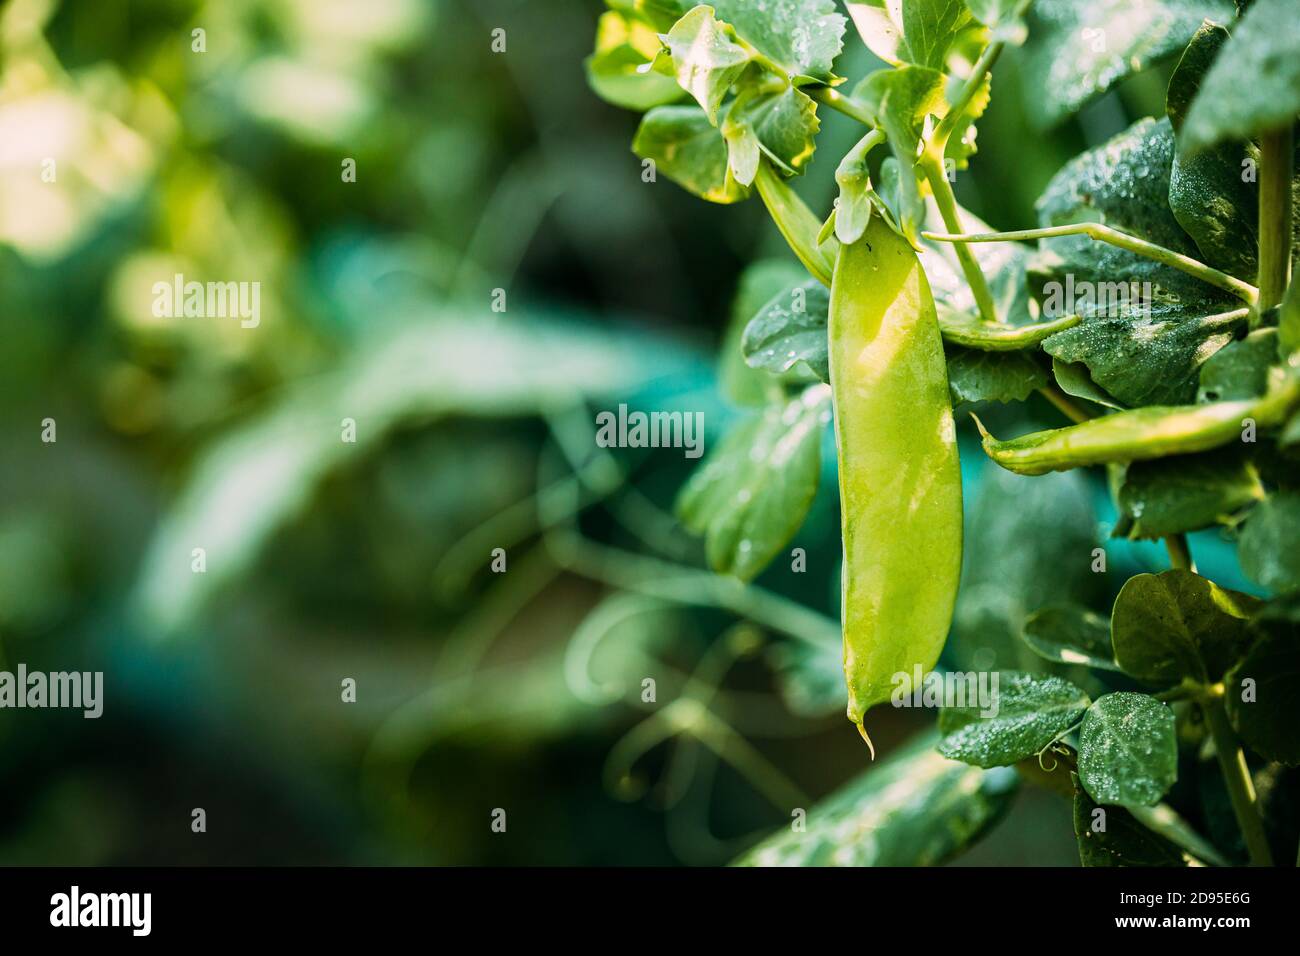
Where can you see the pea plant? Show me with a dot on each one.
(1151, 305)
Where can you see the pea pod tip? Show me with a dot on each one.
(870, 746)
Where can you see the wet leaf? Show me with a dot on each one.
(1031, 712)
(914, 809)
(1128, 753)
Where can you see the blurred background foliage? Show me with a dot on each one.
(475, 170)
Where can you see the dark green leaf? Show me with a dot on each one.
(979, 376)
(1177, 624)
(1123, 183)
(686, 148)
(1208, 192)
(1031, 712)
(789, 329)
(1111, 836)
(1128, 753)
(1152, 362)
(754, 491)
(1075, 379)
(1254, 84)
(623, 45)
(1016, 527)
(1239, 370)
(803, 37)
(759, 283)
(1260, 693)
(1077, 51)
(1187, 492)
(1268, 548)
(914, 809)
(1070, 634)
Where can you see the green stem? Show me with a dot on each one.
(1180, 553)
(932, 165)
(1241, 789)
(1095, 230)
(1064, 404)
(1276, 162)
(843, 104)
(943, 132)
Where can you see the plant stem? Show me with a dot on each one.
(1236, 775)
(1095, 230)
(932, 165)
(944, 130)
(1180, 553)
(1064, 404)
(841, 103)
(1276, 161)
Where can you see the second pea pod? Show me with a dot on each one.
(900, 480)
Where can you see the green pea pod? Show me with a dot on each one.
(900, 481)
(1151, 432)
(797, 223)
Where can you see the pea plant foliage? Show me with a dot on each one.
(1150, 308)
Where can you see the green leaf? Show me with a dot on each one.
(1267, 714)
(760, 283)
(978, 376)
(1147, 327)
(1031, 712)
(1015, 528)
(1207, 192)
(1239, 370)
(658, 14)
(1267, 548)
(686, 148)
(1004, 18)
(914, 809)
(791, 328)
(754, 491)
(901, 99)
(1182, 493)
(1123, 183)
(803, 37)
(1076, 51)
(1254, 84)
(1288, 323)
(623, 45)
(1111, 836)
(1070, 634)
(1128, 752)
(1075, 379)
(706, 61)
(1154, 362)
(1174, 625)
(919, 32)
(780, 124)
